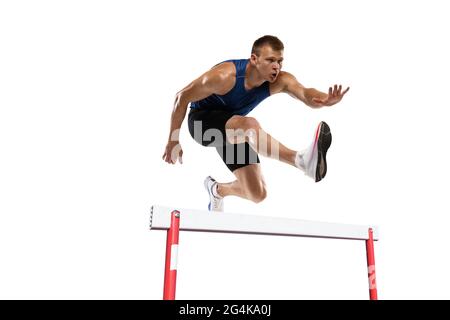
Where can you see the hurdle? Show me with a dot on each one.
(175, 220)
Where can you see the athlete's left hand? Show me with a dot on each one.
(335, 95)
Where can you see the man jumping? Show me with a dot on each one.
(220, 100)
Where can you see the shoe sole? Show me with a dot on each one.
(205, 183)
(323, 143)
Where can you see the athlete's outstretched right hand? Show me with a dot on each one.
(173, 152)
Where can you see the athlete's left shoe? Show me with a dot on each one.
(313, 159)
(215, 201)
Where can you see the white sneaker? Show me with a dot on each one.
(215, 201)
(313, 159)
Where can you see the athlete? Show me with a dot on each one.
(220, 100)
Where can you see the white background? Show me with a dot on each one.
(86, 92)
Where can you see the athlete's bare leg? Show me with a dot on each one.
(250, 182)
(249, 185)
(247, 129)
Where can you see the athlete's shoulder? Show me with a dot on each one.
(220, 78)
(283, 80)
(285, 77)
(224, 69)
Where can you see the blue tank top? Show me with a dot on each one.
(238, 100)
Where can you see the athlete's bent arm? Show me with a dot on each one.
(310, 96)
(198, 89)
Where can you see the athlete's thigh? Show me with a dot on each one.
(236, 128)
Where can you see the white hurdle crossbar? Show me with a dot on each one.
(164, 218)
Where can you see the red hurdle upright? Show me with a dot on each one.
(371, 267)
(170, 276)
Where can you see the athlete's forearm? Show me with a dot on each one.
(178, 115)
(310, 94)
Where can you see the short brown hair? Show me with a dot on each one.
(272, 41)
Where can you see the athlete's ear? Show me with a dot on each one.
(253, 58)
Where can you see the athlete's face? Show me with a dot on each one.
(268, 63)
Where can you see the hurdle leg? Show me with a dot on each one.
(371, 267)
(170, 275)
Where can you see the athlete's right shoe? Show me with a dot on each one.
(215, 201)
(314, 158)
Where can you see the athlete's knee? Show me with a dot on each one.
(243, 129)
(250, 123)
(258, 193)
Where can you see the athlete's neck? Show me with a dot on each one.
(252, 77)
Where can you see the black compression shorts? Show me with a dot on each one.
(207, 127)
